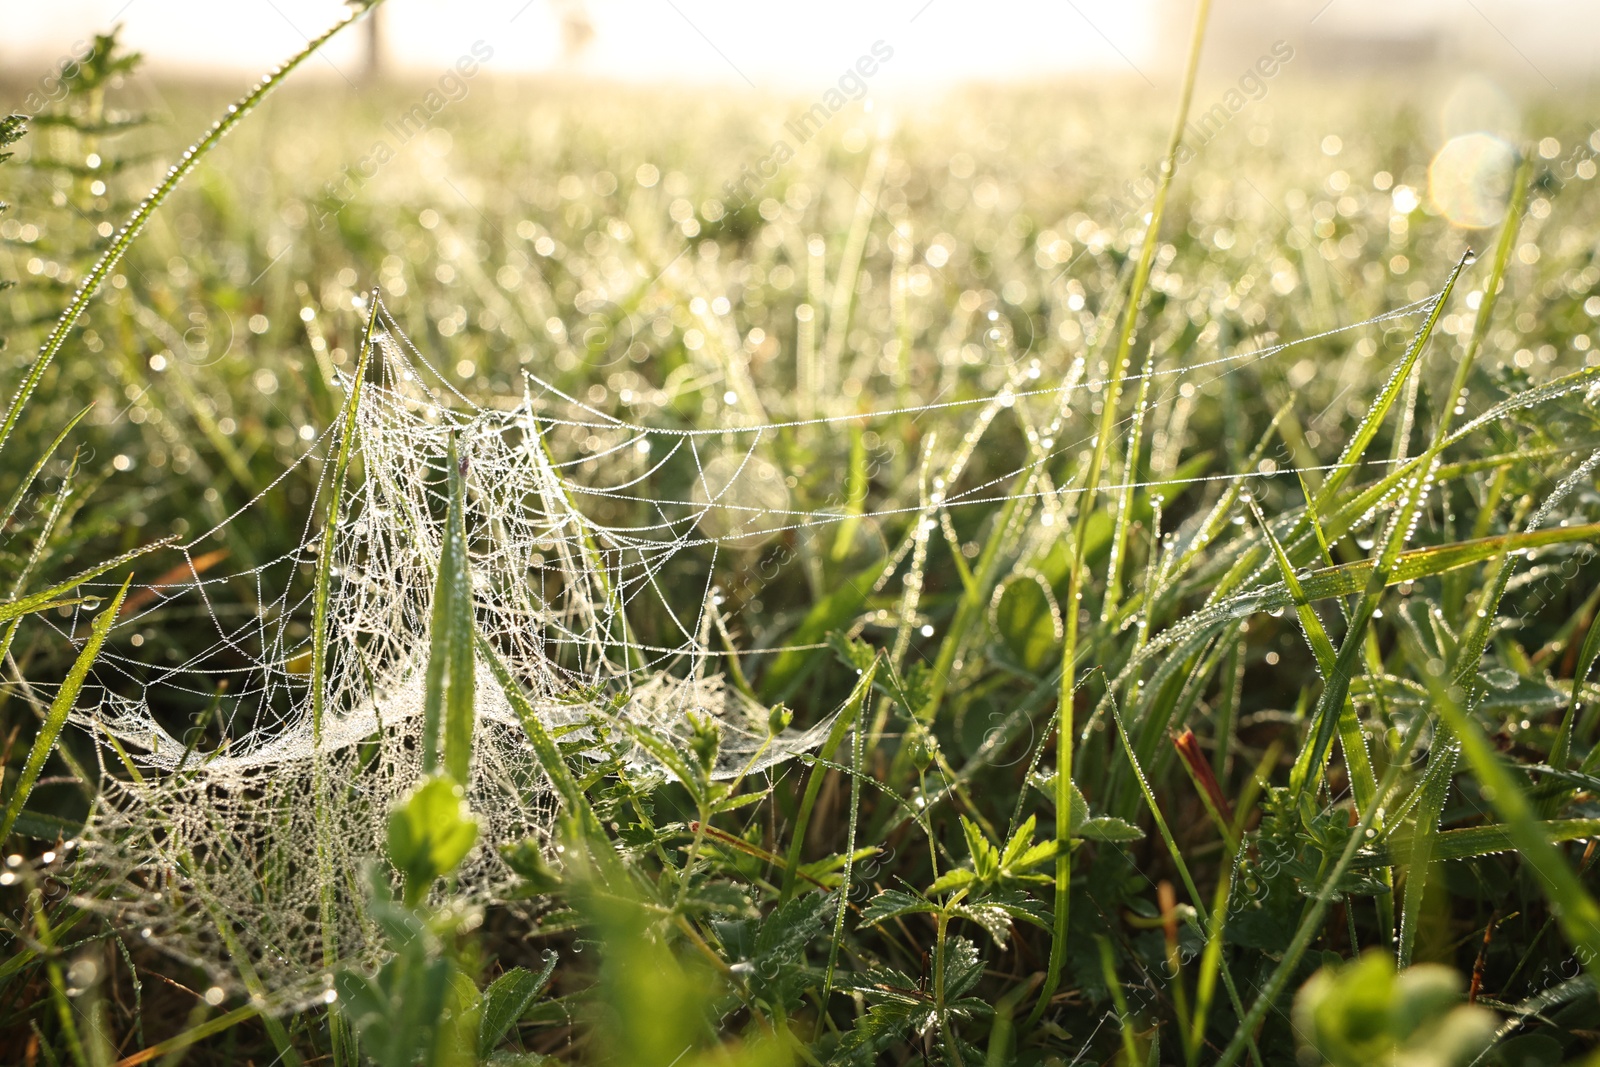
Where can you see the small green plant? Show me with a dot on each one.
(1364, 1012)
(430, 833)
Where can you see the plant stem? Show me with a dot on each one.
(1072, 605)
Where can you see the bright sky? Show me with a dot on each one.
(705, 41)
(804, 45)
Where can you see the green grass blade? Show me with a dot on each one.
(33, 474)
(544, 746)
(36, 603)
(1480, 622)
(1491, 295)
(1221, 514)
(1085, 505)
(1353, 452)
(808, 801)
(1352, 739)
(1560, 752)
(1472, 841)
(47, 529)
(450, 681)
(320, 638)
(846, 876)
(192, 1036)
(855, 497)
(1125, 1020)
(1347, 579)
(56, 718)
(1310, 622)
(975, 599)
(1575, 908)
(1130, 478)
(1432, 792)
(1350, 578)
(842, 300)
(323, 581)
(1336, 684)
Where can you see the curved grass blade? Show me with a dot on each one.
(1352, 578)
(44, 457)
(544, 746)
(1336, 684)
(56, 718)
(322, 583)
(1351, 738)
(1350, 458)
(1130, 476)
(1560, 754)
(47, 529)
(36, 603)
(857, 752)
(1473, 841)
(192, 1036)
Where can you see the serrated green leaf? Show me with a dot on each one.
(1035, 855)
(962, 967)
(892, 903)
(507, 998)
(1020, 842)
(995, 920)
(985, 857)
(955, 878)
(1106, 828)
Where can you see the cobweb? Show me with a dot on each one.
(578, 523)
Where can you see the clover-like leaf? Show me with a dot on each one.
(430, 833)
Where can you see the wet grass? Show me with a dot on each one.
(1345, 585)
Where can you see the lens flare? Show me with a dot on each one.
(1469, 181)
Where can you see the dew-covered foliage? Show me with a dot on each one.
(590, 604)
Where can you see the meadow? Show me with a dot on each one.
(601, 593)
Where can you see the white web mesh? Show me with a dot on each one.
(575, 521)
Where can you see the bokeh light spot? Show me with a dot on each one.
(1470, 179)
